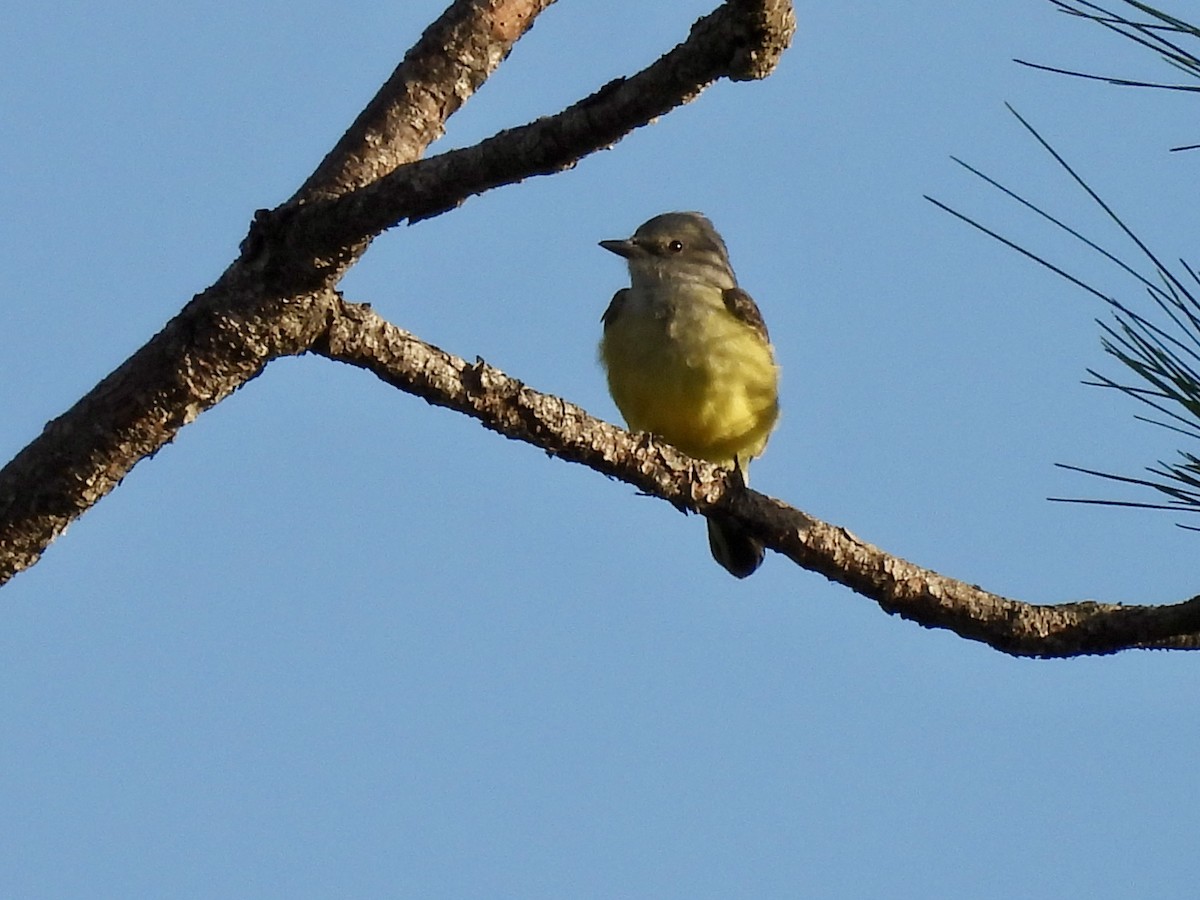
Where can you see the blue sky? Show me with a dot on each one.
(336, 642)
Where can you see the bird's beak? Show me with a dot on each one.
(626, 248)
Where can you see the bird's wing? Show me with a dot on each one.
(614, 308)
(741, 305)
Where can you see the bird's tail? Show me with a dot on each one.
(736, 550)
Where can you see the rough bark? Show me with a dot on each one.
(275, 299)
(358, 336)
(279, 298)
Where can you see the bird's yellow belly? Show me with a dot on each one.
(707, 384)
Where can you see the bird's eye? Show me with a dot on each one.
(675, 246)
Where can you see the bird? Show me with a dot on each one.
(688, 358)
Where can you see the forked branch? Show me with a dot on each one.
(275, 299)
(279, 298)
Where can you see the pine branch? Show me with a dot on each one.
(358, 336)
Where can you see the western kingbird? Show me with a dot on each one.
(688, 357)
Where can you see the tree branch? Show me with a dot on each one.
(276, 298)
(452, 59)
(740, 40)
(358, 336)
